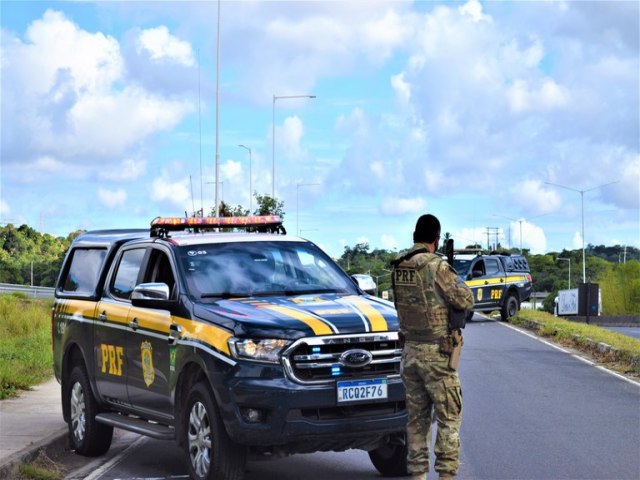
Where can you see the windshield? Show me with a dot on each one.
(461, 266)
(243, 269)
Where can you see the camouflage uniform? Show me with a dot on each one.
(424, 286)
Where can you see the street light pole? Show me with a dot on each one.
(298, 185)
(250, 175)
(273, 137)
(582, 192)
(217, 112)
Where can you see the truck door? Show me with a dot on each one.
(149, 348)
(487, 283)
(111, 329)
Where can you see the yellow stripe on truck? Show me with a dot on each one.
(318, 326)
(494, 281)
(214, 336)
(376, 319)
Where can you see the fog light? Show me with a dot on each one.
(252, 415)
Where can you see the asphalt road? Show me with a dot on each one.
(628, 331)
(531, 411)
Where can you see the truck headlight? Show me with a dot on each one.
(264, 350)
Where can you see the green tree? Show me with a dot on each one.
(620, 288)
(268, 205)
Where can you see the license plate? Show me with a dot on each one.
(351, 391)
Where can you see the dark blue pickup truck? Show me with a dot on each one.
(232, 344)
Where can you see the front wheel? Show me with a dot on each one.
(510, 307)
(390, 459)
(211, 454)
(88, 437)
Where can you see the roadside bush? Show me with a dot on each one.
(25, 343)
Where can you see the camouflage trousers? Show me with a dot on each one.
(432, 388)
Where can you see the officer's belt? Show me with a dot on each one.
(422, 337)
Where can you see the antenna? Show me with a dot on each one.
(193, 207)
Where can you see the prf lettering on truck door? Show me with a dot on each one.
(111, 359)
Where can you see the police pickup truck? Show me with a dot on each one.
(232, 344)
(498, 281)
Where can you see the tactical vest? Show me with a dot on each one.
(422, 312)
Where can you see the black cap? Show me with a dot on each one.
(427, 229)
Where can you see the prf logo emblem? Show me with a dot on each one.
(148, 373)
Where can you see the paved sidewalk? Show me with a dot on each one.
(29, 422)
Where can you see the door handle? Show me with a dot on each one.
(103, 316)
(134, 324)
(486, 282)
(175, 331)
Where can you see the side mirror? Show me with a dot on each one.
(476, 273)
(152, 295)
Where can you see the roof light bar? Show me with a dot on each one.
(182, 223)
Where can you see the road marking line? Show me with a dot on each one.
(557, 347)
(115, 460)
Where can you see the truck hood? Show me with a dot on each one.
(301, 316)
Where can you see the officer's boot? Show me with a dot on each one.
(446, 476)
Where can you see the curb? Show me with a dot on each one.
(10, 465)
(592, 346)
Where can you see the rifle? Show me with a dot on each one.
(457, 318)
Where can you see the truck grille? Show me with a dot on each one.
(324, 359)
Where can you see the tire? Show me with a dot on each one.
(469, 316)
(87, 436)
(391, 458)
(510, 307)
(210, 453)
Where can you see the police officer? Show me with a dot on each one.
(424, 286)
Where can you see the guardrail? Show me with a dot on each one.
(35, 292)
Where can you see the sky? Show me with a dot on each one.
(510, 121)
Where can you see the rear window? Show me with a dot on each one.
(84, 269)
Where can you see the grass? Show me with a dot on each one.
(25, 343)
(41, 468)
(624, 356)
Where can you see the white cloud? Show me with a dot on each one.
(401, 206)
(174, 193)
(231, 170)
(288, 137)
(377, 168)
(48, 164)
(434, 180)
(389, 242)
(471, 236)
(162, 46)
(577, 240)
(401, 87)
(473, 8)
(70, 86)
(355, 123)
(112, 198)
(533, 196)
(129, 169)
(533, 237)
(548, 95)
(4, 208)
(362, 239)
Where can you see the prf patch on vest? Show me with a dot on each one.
(405, 276)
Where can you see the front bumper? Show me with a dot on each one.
(308, 417)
